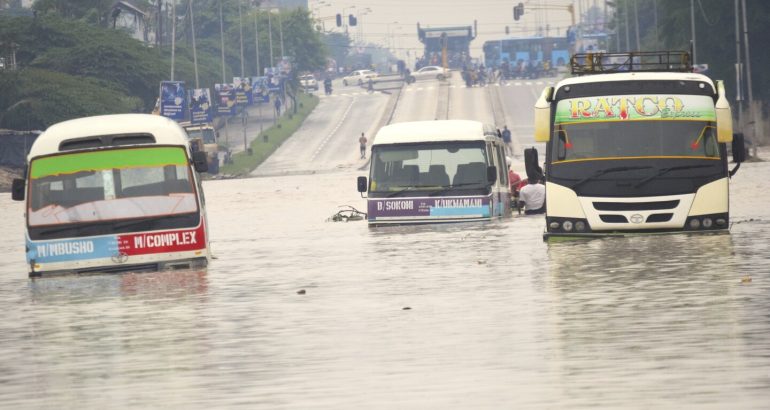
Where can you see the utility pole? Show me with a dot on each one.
(270, 36)
(752, 109)
(280, 32)
(256, 40)
(222, 42)
(738, 67)
(692, 30)
(173, 36)
(655, 16)
(195, 54)
(240, 31)
(628, 37)
(636, 25)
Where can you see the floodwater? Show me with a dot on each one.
(457, 316)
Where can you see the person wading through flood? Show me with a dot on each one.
(532, 197)
(362, 145)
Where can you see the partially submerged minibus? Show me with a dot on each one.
(114, 193)
(436, 171)
(636, 143)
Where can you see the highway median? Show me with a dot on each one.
(267, 141)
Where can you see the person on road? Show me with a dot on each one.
(362, 145)
(328, 86)
(370, 85)
(532, 197)
(278, 106)
(507, 140)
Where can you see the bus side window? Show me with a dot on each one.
(502, 166)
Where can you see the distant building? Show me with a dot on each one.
(130, 18)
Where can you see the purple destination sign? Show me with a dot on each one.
(463, 206)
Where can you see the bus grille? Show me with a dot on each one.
(635, 206)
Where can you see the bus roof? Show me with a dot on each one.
(431, 131)
(165, 131)
(638, 76)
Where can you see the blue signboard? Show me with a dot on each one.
(225, 99)
(172, 100)
(200, 106)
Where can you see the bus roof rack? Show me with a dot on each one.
(634, 61)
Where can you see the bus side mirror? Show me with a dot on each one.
(739, 148)
(362, 185)
(17, 189)
(491, 174)
(200, 161)
(543, 115)
(724, 115)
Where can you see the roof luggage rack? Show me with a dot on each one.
(634, 61)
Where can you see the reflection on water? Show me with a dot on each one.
(449, 316)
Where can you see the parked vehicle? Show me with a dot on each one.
(436, 171)
(358, 77)
(308, 82)
(113, 193)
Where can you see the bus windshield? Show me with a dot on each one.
(108, 185)
(635, 139)
(428, 166)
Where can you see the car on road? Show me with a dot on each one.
(429, 72)
(308, 82)
(358, 77)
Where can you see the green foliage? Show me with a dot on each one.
(71, 41)
(714, 33)
(35, 98)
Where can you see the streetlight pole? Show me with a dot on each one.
(692, 31)
(195, 53)
(256, 39)
(280, 33)
(270, 37)
(240, 31)
(173, 36)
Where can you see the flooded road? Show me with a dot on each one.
(496, 318)
(456, 316)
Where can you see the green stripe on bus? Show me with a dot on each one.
(99, 160)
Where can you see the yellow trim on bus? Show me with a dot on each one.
(620, 158)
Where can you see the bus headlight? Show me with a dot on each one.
(567, 226)
(707, 223)
(554, 225)
(580, 226)
(694, 223)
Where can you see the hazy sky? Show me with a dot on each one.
(492, 17)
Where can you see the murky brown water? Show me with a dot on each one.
(498, 318)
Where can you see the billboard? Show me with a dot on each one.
(225, 99)
(200, 106)
(172, 100)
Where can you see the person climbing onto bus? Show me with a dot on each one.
(532, 197)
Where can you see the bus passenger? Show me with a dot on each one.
(532, 197)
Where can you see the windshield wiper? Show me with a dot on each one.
(133, 223)
(606, 171)
(663, 171)
(466, 184)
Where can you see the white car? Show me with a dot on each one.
(429, 72)
(358, 77)
(308, 82)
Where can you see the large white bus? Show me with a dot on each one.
(436, 171)
(638, 145)
(113, 193)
